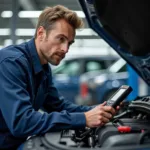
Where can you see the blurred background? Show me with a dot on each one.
(91, 71)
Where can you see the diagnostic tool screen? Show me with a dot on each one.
(117, 95)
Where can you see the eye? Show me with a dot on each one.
(62, 39)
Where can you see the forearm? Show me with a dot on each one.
(33, 122)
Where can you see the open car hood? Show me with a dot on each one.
(125, 26)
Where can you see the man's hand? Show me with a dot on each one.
(99, 115)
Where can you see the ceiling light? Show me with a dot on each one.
(85, 32)
(31, 32)
(6, 14)
(80, 14)
(29, 14)
(32, 14)
(4, 32)
(25, 32)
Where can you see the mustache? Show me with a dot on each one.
(61, 54)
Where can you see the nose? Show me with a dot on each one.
(65, 47)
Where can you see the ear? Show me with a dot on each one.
(41, 33)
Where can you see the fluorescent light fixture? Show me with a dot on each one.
(6, 14)
(8, 42)
(29, 14)
(32, 14)
(25, 32)
(90, 43)
(31, 32)
(85, 32)
(80, 14)
(19, 41)
(4, 32)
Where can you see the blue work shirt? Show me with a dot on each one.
(25, 87)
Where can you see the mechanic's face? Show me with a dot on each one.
(53, 47)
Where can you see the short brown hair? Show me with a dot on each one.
(51, 14)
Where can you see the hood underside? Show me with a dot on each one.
(125, 26)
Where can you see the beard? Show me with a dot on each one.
(56, 59)
(53, 58)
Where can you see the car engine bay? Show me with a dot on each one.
(130, 127)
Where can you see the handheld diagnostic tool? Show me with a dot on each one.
(119, 96)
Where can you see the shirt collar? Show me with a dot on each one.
(34, 56)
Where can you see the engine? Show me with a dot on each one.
(129, 128)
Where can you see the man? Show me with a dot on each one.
(26, 83)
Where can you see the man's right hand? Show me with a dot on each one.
(99, 115)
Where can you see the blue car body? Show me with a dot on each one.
(66, 76)
(102, 84)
